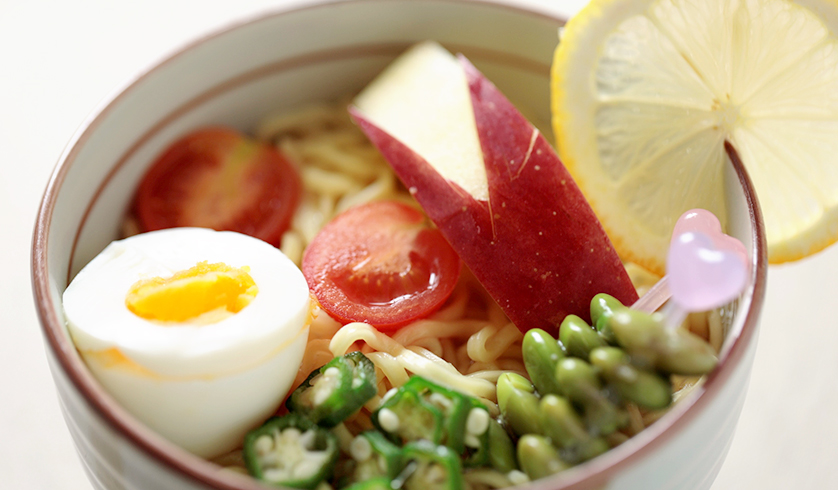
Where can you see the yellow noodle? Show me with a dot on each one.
(310, 118)
(331, 157)
(316, 354)
(458, 329)
(455, 307)
(327, 182)
(292, 245)
(430, 344)
(390, 367)
(635, 419)
(309, 219)
(492, 341)
(381, 188)
(436, 369)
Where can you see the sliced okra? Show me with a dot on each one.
(476, 435)
(335, 391)
(421, 409)
(290, 451)
(375, 456)
(430, 466)
(378, 483)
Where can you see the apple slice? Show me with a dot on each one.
(493, 185)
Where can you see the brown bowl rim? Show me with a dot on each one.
(591, 475)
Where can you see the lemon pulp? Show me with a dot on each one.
(646, 92)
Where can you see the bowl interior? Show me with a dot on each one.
(272, 63)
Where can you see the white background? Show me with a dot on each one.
(60, 59)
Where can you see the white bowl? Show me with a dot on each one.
(281, 60)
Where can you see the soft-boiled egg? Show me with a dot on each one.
(198, 333)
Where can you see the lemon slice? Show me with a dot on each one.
(646, 92)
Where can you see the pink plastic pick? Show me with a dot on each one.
(705, 269)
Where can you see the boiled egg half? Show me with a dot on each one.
(198, 333)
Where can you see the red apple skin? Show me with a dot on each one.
(535, 245)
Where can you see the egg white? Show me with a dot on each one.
(202, 387)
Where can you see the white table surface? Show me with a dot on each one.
(61, 58)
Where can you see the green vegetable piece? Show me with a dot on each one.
(290, 451)
(602, 307)
(508, 385)
(518, 404)
(335, 391)
(406, 416)
(538, 458)
(476, 436)
(578, 338)
(652, 344)
(430, 467)
(645, 388)
(566, 430)
(501, 448)
(541, 355)
(582, 386)
(425, 410)
(379, 483)
(375, 456)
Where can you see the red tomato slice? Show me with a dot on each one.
(218, 178)
(380, 263)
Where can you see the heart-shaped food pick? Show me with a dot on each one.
(705, 269)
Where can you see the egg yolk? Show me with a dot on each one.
(206, 293)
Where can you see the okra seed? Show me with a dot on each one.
(306, 468)
(389, 394)
(292, 433)
(360, 449)
(325, 385)
(264, 445)
(477, 422)
(440, 400)
(388, 419)
(472, 441)
(308, 439)
(517, 477)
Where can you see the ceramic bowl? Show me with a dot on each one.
(281, 60)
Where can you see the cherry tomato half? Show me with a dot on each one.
(218, 178)
(380, 263)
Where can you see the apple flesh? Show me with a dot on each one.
(532, 241)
